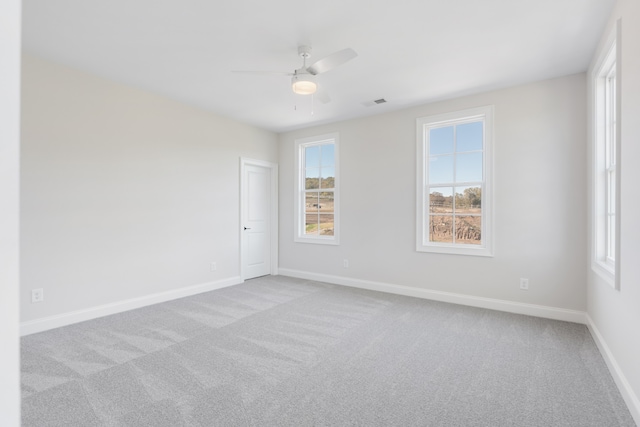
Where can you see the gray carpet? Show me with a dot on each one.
(278, 351)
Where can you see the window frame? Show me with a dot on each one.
(300, 190)
(606, 162)
(423, 124)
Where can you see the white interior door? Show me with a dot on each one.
(256, 221)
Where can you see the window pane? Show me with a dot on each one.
(441, 200)
(469, 167)
(469, 137)
(469, 230)
(441, 228)
(440, 169)
(325, 202)
(613, 145)
(611, 216)
(441, 140)
(326, 224)
(311, 224)
(328, 177)
(312, 179)
(611, 116)
(328, 155)
(611, 189)
(312, 156)
(611, 237)
(468, 200)
(311, 202)
(328, 182)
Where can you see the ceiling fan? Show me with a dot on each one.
(303, 80)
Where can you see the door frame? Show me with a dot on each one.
(11, 295)
(273, 246)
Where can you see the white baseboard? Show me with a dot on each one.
(64, 319)
(490, 303)
(630, 398)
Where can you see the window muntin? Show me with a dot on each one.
(453, 176)
(316, 190)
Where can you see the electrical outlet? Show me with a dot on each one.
(345, 263)
(37, 295)
(214, 266)
(524, 284)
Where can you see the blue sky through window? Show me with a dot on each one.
(320, 161)
(312, 156)
(456, 147)
(469, 137)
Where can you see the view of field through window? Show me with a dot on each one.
(319, 165)
(454, 185)
(462, 227)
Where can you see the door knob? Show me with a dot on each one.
(247, 228)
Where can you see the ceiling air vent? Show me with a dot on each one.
(374, 102)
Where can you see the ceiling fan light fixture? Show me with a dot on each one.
(304, 84)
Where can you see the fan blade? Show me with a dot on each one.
(322, 96)
(263, 73)
(332, 61)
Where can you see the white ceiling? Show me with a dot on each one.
(409, 51)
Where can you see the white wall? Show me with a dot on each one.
(615, 315)
(540, 190)
(10, 24)
(125, 194)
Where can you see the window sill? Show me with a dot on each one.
(603, 271)
(456, 250)
(318, 240)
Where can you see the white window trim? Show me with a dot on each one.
(486, 249)
(606, 269)
(298, 233)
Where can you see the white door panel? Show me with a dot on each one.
(256, 220)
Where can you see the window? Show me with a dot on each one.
(606, 165)
(454, 182)
(316, 198)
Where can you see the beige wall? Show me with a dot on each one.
(539, 192)
(616, 314)
(124, 193)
